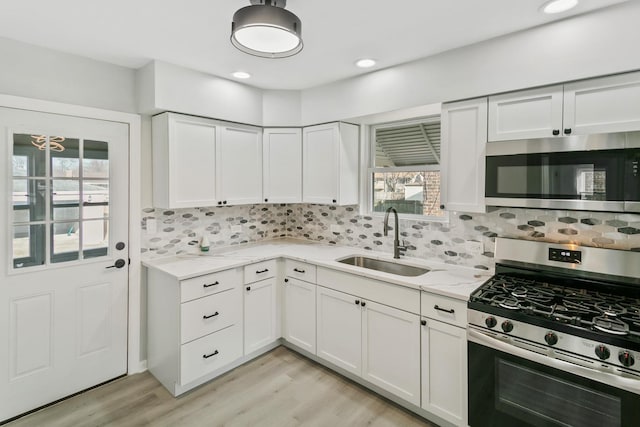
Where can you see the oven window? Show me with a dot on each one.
(543, 400)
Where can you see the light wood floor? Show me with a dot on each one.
(280, 388)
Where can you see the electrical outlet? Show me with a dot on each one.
(335, 228)
(474, 247)
(152, 226)
(236, 229)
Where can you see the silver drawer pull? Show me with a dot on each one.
(450, 311)
(210, 284)
(262, 271)
(206, 356)
(298, 271)
(210, 315)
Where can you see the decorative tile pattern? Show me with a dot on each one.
(179, 229)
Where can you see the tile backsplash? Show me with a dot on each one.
(177, 230)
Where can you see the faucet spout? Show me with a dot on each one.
(396, 240)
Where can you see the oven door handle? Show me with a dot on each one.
(626, 383)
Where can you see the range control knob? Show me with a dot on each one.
(490, 322)
(602, 352)
(507, 326)
(551, 338)
(626, 358)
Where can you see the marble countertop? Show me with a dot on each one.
(444, 279)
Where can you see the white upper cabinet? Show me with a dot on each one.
(184, 161)
(330, 164)
(464, 141)
(239, 165)
(607, 104)
(535, 113)
(282, 165)
(202, 162)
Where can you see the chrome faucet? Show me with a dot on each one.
(397, 248)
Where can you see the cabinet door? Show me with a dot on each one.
(239, 165)
(260, 315)
(464, 140)
(534, 113)
(391, 350)
(340, 329)
(608, 104)
(299, 320)
(184, 161)
(282, 160)
(320, 164)
(444, 371)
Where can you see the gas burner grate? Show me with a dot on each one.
(610, 325)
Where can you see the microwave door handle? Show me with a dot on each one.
(625, 383)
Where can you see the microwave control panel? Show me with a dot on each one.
(565, 255)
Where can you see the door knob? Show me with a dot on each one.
(118, 264)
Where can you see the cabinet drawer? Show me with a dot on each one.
(260, 271)
(209, 353)
(445, 309)
(300, 270)
(209, 314)
(209, 284)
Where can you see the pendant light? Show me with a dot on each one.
(267, 30)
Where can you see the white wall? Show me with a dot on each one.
(35, 72)
(182, 90)
(604, 42)
(281, 108)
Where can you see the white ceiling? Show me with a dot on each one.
(195, 33)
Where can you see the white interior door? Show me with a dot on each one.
(63, 263)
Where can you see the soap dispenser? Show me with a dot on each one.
(204, 244)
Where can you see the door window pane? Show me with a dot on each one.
(29, 196)
(65, 196)
(95, 199)
(28, 245)
(65, 157)
(29, 153)
(95, 162)
(95, 238)
(20, 165)
(65, 242)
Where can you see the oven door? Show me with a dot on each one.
(510, 386)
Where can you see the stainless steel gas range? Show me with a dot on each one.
(554, 338)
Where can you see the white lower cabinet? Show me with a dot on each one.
(444, 370)
(194, 327)
(376, 342)
(260, 316)
(391, 350)
(299, 318)
(260, 296)
(340, 329)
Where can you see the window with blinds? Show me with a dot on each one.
(404, 168)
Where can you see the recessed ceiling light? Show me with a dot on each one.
(365, 63)
(241, 75)
(558, 6)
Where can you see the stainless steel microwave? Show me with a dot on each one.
(591, 172)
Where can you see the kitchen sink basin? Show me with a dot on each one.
(384, 266)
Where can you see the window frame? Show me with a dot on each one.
(369, 169)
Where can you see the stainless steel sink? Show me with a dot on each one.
(384, 266)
